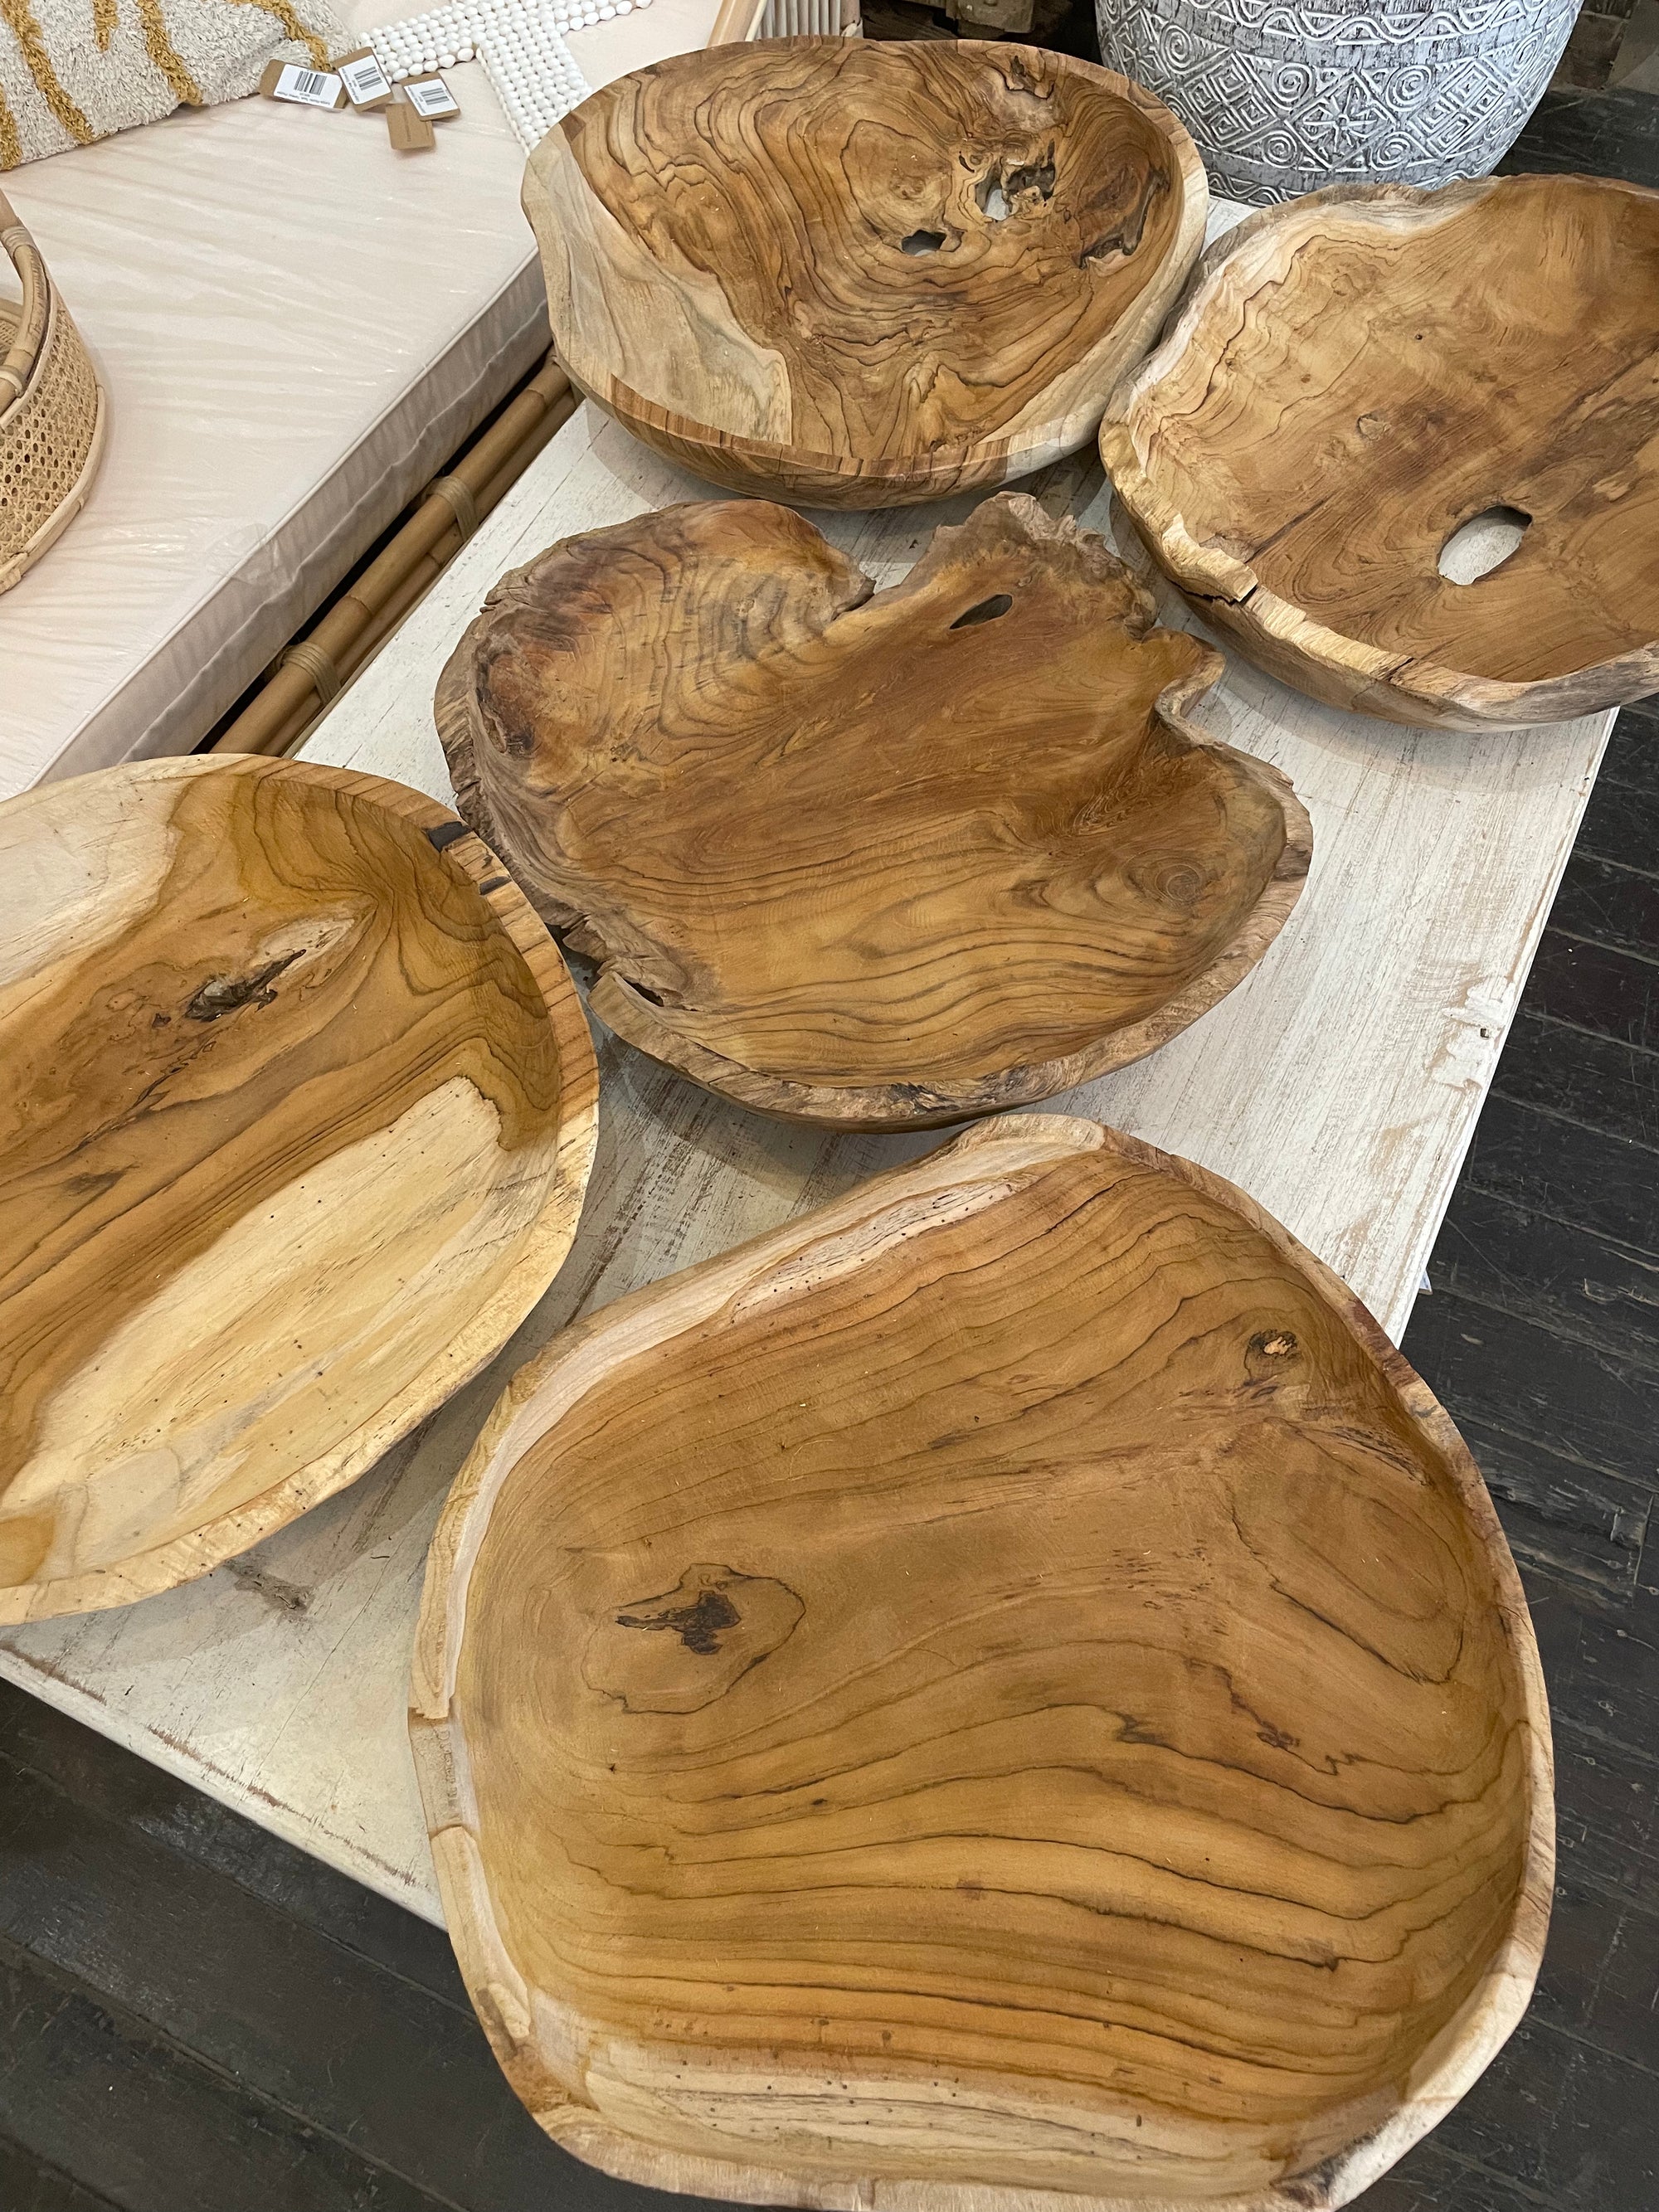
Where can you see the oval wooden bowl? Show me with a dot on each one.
(1354, 378)
(1008, 1685)
(874, 862)
(297, 1106)
(858, 275)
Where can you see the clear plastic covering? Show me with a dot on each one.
(295, 325)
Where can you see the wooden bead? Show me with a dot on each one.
(1357, 382)
(868, 861)
(859, 274)
(1008, 1684)
(297, 1105)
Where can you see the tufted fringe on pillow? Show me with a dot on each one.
(74, 71)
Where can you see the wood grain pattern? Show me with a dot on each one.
(1009, 1686)
(274, 1684)
(859, 275)
(879, 861)
(1351, 380)
(297, 1105)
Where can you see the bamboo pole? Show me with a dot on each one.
(293, 732)
(737, 21)
(314, 671)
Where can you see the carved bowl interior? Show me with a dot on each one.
(1361, 383)
(859, 273)
(1009, 1684)
(868, 860)
(296, 1110)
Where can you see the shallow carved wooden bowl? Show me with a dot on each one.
(857, 274)
(1007, 1684)
(868, 861)
(1370, 396)
(297, 1105)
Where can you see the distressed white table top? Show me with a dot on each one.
(1339, 1084)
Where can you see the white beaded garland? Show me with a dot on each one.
(520, 44)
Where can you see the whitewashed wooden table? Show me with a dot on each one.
(1339, 1084)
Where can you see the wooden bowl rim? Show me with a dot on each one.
(895, 1106)
(1444, 2071)
(182, 1558)
(912, 468)
(1452, 698)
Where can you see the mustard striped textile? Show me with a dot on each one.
(74, 71)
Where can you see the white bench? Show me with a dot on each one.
(296, 327)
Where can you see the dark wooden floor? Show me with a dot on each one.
(195, 2018)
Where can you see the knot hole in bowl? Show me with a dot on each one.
(997, 195)
(1482, 543)
(983, 611)
(999, 190)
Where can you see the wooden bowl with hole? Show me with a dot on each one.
(1006, 1692)
(858, 275)
(1401, 447)
(297, 1106)
(874, 861)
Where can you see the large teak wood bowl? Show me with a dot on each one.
(868, 861)
(1358, 383)
(297, 1105)
(1009, 1685)
(858, 275)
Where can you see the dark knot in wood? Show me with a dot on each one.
(727, 1621)
(698, 1626)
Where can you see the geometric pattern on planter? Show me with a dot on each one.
(1283, 99)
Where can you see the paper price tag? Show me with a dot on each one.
(366, 82)
(305, 87)
(409, 133)
(431, 97)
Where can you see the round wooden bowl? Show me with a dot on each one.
(1369, 396)
(856, 274)
(297, 1106)
(873, 862)
(1009, 1685)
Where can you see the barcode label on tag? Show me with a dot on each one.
(431, 96)
(310, 88)
(364, 80)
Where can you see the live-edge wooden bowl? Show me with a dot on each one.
(1006, 1693)
(858, 274)
(297, 1106)
(1355, 379)
(871, 862)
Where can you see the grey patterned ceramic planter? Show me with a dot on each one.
(1283, 99)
